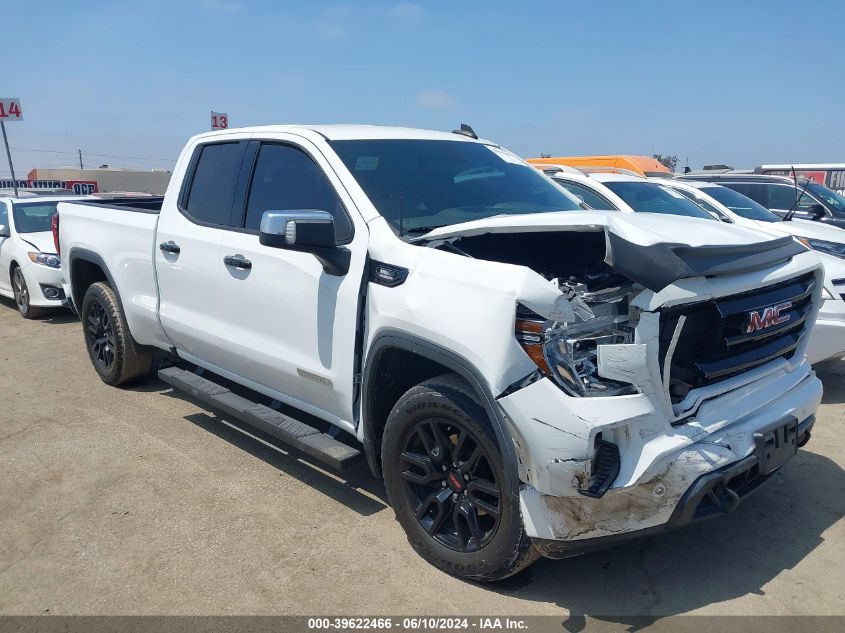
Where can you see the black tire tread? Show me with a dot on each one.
(465, 397)
(132, 361)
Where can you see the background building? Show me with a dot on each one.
(104, 179)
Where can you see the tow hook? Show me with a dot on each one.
(723, 497)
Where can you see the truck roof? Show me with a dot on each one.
(346, 132)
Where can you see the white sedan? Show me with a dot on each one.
(30, 269)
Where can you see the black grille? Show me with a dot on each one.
(715, 342)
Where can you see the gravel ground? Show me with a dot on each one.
(140, 501)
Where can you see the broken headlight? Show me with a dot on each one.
(571, 353)
(568, 352)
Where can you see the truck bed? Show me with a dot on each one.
(118, 234)
(140, 204)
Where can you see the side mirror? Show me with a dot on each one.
(4, 231)
(308, 231)
(817, 211)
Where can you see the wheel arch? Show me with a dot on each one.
(418, 360)
(86, 268)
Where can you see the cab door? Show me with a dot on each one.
(291, 326)
(187, 252)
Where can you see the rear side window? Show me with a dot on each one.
(755, 191)
(213, 184)
(586, 195)
(780, 196)
(286, 179)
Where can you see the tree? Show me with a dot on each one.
(670, 162)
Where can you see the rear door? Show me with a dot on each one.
(187, 252)
(291, 327)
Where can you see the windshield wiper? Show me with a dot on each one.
(794, 207)
(422, 229)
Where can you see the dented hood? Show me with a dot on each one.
(652, 249)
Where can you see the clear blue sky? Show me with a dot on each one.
(736, 82)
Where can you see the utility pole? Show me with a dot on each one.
(80, 160)
(9, 156)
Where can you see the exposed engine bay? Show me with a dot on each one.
(600, 298)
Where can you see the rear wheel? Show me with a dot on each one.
(112, 350)
(445, 477)
(22, 298)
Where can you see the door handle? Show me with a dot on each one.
(237, 261)
(170, 247)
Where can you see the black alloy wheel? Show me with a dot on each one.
(451, 484)
(100, 336)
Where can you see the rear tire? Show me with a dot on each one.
(444, 475)
(116, 356)
(22, 296)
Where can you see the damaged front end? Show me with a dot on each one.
(569, 351)
(642, 389)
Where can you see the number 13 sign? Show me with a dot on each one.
(10, 109)
(219, 121)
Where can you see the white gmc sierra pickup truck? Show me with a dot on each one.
(529, 378)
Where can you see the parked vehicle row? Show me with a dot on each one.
(627, 193)
(528, 376)
(799, 197)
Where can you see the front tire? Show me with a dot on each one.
(22, 296)
(116, 356)
(445, 478)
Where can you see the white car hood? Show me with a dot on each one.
(641, 228)
(652, 249)
(807, 228)
(43, 241)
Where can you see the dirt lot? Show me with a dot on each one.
(139, 501)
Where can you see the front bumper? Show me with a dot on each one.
(44, 284)
(712, 494)
(827, 339)
(660, 463)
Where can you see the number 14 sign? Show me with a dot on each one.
(219, 121)
(10, 109)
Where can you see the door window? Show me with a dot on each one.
(586, 195)
(213, 183)
(286, 179)
(753, 190)
(783, 197)
(780, 196)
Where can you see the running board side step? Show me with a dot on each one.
(302, 437)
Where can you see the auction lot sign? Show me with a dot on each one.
(78, 187)
(219, 120)
(10, 109)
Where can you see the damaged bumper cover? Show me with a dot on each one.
(711, 495)
(665, 472)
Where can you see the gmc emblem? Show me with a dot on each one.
(767, 318)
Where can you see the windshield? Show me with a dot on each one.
(833, 199)
(34, 217)
(708, 206)
(418, 185)
(741, 205)
(651, 197)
